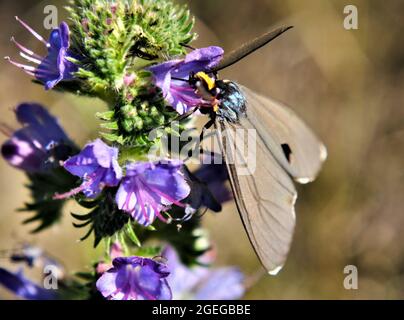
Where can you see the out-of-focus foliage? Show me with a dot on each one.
(346, 84)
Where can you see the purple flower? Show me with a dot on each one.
(23, 287)
(39, 144)
(135, 278)
(202, 283)
(97, 164)
(55, 66)
(150, 188)
(172, 77)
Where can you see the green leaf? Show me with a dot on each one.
(43, 187)
(105, 220)
(132, 235)
(110, 125)
(106, 116)
(111, 137)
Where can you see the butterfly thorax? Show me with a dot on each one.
(225, 97)
(232, 103)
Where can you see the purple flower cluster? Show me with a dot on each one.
(145, 191)
(148, 188)
(56, 65)
(172, 77)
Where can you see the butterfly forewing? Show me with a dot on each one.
(281, 129)
(264, 193)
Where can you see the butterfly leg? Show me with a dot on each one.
(187, 46)
(198, 144)
(202, 136)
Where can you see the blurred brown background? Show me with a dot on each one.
(346, 84)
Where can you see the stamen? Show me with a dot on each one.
(32, 59)
(159, 215)
(72, 192)
(42, 72)
(45, 63)
(69, 194)
(19, 65)
(33, 32)
(165, 196)
(26, 50)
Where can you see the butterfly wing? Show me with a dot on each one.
(289, 139)
(264, 192)
(283, 148)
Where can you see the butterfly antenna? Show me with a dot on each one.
(249, 47)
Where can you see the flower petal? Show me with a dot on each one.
(149, 187)
(106, 284)
(202, 59)
(82, 164)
